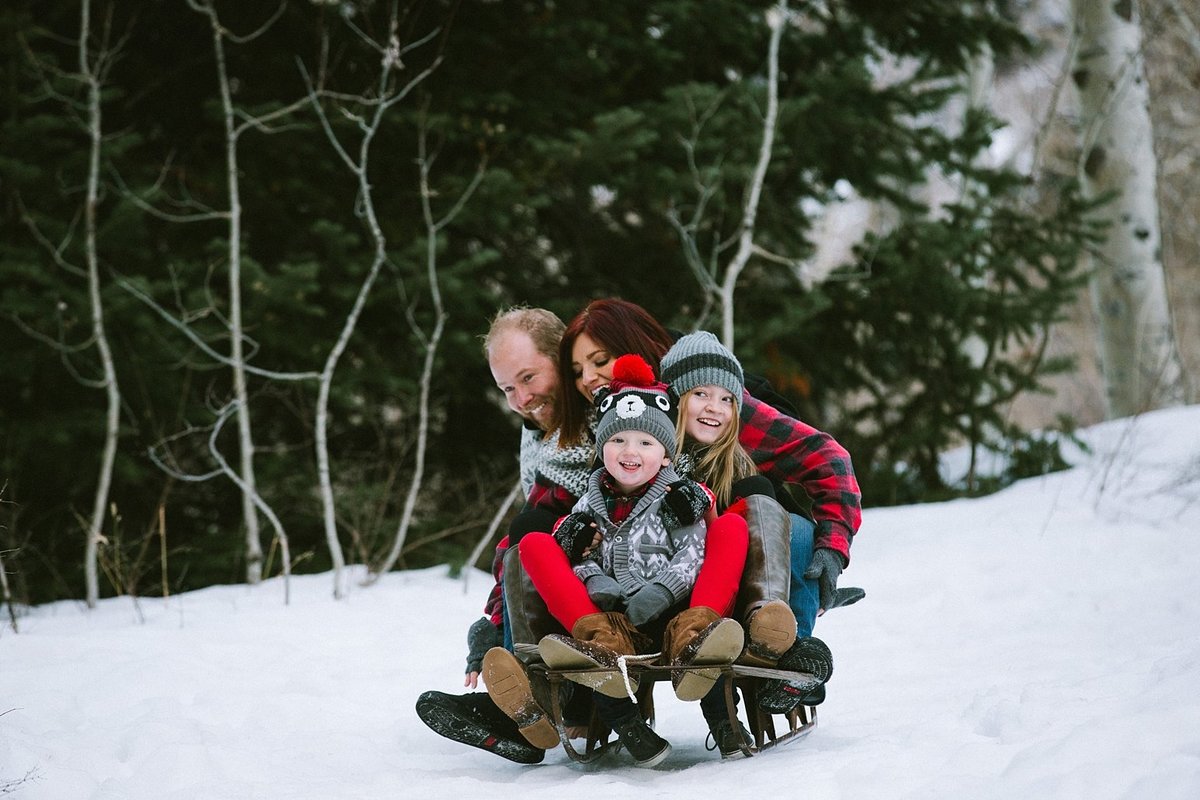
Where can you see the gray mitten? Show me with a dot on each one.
(481, 637)
(605, 592)
(648, 603)
(824, 568)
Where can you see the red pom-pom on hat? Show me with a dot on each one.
(632, 370)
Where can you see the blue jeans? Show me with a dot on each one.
(805, 596)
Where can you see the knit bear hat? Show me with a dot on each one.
(699, 359)
(635, 401)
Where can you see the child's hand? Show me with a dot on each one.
(577, 534)
(688, 500)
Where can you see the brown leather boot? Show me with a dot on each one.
(698, 636)
(597, 642)
(771, 631)
(766, 577)
(509, 686)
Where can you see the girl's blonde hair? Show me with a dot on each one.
(719, 464)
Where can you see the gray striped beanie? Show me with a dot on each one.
(699, 359)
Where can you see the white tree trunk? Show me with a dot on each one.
(253, 544)
(778, 18)
(1138, 356)
(433, 229)
(385, 97)
(89, 71)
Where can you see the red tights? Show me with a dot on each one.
(567, 599)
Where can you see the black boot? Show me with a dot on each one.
(646, 746)
(808, 655)
(726, 738)
(475, 720)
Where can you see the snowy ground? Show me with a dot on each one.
(1043, 642)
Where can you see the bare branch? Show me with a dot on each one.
(252, 492)
(186, 330)
(514, 494)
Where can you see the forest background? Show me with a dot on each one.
(249, 248)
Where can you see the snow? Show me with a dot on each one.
(1041, 642)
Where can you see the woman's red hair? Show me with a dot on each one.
(618, 326)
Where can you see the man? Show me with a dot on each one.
(521, 347)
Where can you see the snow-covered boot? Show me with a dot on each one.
(475, 720)
(596, 642)
(698, 636)
(771, 631)
(810, 657)
(510, 688)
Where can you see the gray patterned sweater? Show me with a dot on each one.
(643, 549)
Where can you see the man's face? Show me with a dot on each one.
(528, 379)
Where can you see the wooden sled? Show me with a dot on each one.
(762, 725)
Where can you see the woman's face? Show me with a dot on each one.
(591, 364)
(708, 412)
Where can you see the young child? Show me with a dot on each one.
(636, 559)
(709, 381)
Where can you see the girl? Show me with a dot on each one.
(709, 381)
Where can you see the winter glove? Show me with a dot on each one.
(481, 637)
(688, 500)
(648, 603)
(824, 568)
(605, 592)
(575, 534)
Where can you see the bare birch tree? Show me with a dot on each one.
(777, 18)
(1138, 355)
(92, 72)
(367, 113)
(433, 233)
(233, 130)
(93, 68)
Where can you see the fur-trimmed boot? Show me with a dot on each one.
(698, 636)
(766, 581)
(597, 641)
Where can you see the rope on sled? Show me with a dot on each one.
(623, 665)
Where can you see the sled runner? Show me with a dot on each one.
(641, 672)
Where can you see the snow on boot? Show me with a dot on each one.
(810, 657)
(474, 719)
(772, 630)
(647, 747)
(698, 637)
(508, 685)
(596, 642)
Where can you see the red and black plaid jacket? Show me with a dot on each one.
(789, 451)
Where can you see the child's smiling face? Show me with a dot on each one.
(708, 411)
(633, 459)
